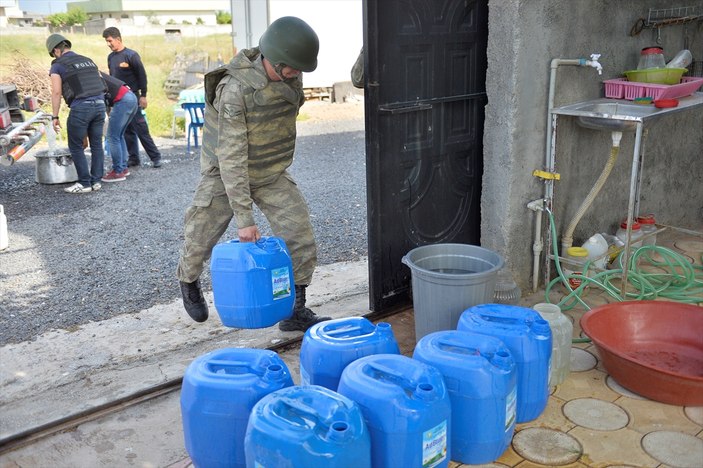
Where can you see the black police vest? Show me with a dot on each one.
(82, 78)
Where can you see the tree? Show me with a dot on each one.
(76, 15)
(223, 17)
(57, 19)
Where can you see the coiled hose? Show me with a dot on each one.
(680, 281)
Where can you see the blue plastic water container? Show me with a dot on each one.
(328, 347)
(528, 337)
(252, 282)
(406, 408)
(218, 393)
(307, 426)
(481, 379)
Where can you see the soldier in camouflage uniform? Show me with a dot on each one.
(248, 143)
(357, 71)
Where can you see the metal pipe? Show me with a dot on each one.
(18, 151)
(550, 143)
(631, 207)
(538, 207)
(6, 139)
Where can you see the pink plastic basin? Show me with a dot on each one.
(652, 348)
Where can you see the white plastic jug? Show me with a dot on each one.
(597, 246)
(562, 331)
(4, 241)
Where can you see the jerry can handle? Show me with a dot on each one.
(230, 367)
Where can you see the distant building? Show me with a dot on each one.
(153, 12)
(11, 14)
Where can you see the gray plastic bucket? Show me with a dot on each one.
(447, 279)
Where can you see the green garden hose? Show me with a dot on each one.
(679, 281)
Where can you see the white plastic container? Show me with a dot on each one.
(562, 333)
(597, 246)
(648, 224)
(4, 241)
(573, 263)
(681, 60)
(635, 235)
(651, 57)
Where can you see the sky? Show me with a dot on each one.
(43, 6)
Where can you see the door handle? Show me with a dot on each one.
(404, 108)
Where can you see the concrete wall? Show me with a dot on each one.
(524, 36)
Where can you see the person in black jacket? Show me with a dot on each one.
(77, 79)
(123, 107)
(126, 65)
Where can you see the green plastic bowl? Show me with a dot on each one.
(667, 76)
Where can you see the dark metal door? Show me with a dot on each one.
(425, 69)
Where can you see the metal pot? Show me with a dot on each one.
(56, 168)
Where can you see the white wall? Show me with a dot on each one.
(339, 26)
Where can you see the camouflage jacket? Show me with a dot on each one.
(249, 132)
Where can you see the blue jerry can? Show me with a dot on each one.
(307, 426)
(328, 347)
(218, 393)
(480, 376)
(252, 282)
(528, 337)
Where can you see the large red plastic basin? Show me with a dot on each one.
(652, 348)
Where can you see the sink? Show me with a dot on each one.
(609, 115)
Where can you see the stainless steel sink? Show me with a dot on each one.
(608, 114)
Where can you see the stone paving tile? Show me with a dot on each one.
(529, 464)
(605, 448)
(547, 446)
(695, 414)
(674, 448)
(590, 384)
(582, 360)
(596, 414)
(647, 416)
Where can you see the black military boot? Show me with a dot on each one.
(193, 300)
(303, 318)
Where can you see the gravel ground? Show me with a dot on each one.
(79, 258)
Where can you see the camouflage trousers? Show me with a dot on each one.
(207, 219)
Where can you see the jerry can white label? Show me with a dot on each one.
(510, 409)
(280, 282)
(434, 445)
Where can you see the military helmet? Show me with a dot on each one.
(292, 41)
(54, 40)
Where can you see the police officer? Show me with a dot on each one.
(249, 134)
(78, 80)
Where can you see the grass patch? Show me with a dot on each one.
(157, 54)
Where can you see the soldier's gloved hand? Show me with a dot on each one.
(249, 234)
